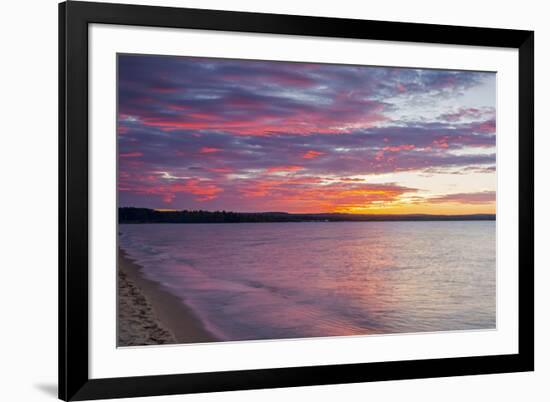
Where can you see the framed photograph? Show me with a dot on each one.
(257, 200)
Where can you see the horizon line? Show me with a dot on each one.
(303, 213)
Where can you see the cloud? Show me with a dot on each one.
(130, 154)
(198, 188)
(398, 148)
(287, 168)
(236, 134)
(209, 150)
(468, 114)
(311, 154)
(259, 98)
(482, 197)
(306, 195)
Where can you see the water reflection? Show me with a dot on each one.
(280, 280)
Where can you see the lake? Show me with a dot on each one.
(293, 280)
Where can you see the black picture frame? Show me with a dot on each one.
(74, 381)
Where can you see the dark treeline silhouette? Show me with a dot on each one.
(146, 215)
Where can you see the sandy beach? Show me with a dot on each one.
(148, 315)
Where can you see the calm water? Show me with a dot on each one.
(288, 280)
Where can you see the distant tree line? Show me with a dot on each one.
(146, 215)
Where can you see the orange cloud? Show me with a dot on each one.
(305, 194)
(312, 154)
(288, 168)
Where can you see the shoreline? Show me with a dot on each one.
(150, 315)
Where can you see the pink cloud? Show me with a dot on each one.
(122, 129)
(488, 126)
(482, 197)
(203, 190)
(397, 148)
(209, 150)
(442, 142)
(131, 155)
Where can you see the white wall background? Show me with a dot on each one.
(28, 199)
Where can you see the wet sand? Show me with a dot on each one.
(149, 315)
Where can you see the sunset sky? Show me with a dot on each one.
(241, 135)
